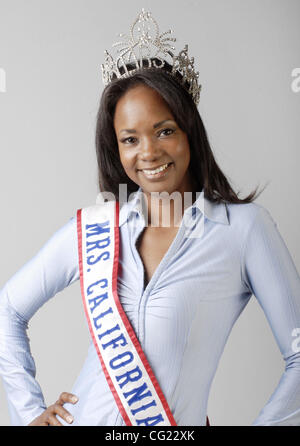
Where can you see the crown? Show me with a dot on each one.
(143, 43)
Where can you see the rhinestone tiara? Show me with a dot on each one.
(143, 43)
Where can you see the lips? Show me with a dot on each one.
(161, 173)
(154, 168)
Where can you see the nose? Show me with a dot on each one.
(149, 149)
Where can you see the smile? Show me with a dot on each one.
(157, 173)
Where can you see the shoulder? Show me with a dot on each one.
(246, 214)
(249, 218)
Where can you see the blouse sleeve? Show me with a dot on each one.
(271, 276)
(53, 268)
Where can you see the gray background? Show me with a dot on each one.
(51, 51)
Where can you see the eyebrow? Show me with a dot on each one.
(154, 126)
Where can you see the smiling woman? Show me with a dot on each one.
(156, 158)
(160, 303)
(141, 106)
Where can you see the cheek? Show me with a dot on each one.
(124, 156)
(183, 153)
(127, 159)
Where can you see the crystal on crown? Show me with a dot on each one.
(143, 43)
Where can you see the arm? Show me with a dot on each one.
(270, 274)
(53, 268)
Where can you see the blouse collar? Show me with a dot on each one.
(216, 212)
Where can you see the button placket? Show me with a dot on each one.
(154, 279)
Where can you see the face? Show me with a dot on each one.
(149, 138)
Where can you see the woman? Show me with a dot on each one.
(182, 295)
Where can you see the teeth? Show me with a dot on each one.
(159, 169)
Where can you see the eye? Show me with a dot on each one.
(128, 140)
(125, 140)
(167, 130)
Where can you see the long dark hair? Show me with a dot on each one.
(204, 170)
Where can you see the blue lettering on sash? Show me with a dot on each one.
(137, 394)
(105, 256)
(98, 244)
(103, 244)
(150, 421)
(96, 301)
(128, 376)
(89, 288)
(116, 358)
(97, 228)
(116, 327)
(96, 319)
(114, 343)
(139, 409)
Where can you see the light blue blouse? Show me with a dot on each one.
(182, 318)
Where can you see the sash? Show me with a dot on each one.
(127, 371)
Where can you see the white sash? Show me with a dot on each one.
(128, 373)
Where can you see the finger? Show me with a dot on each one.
(53, 421)
(66, 397)
(63, 413)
